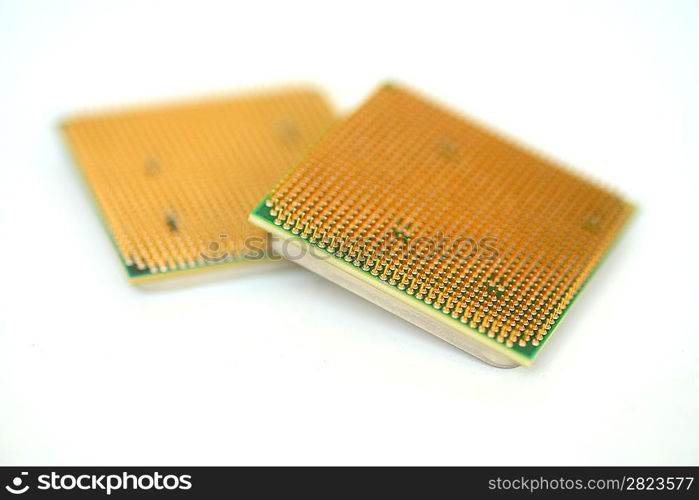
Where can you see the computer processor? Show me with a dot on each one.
(175, 183)
(453, 226)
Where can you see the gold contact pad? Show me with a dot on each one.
(402, 169)
(176, 182)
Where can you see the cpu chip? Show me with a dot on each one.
(175, 183)
(446, 223)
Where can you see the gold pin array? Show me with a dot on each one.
(384, 187)
(175, 183)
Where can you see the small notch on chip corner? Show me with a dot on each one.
(171, 221)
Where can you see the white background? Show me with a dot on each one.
(286, 368)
